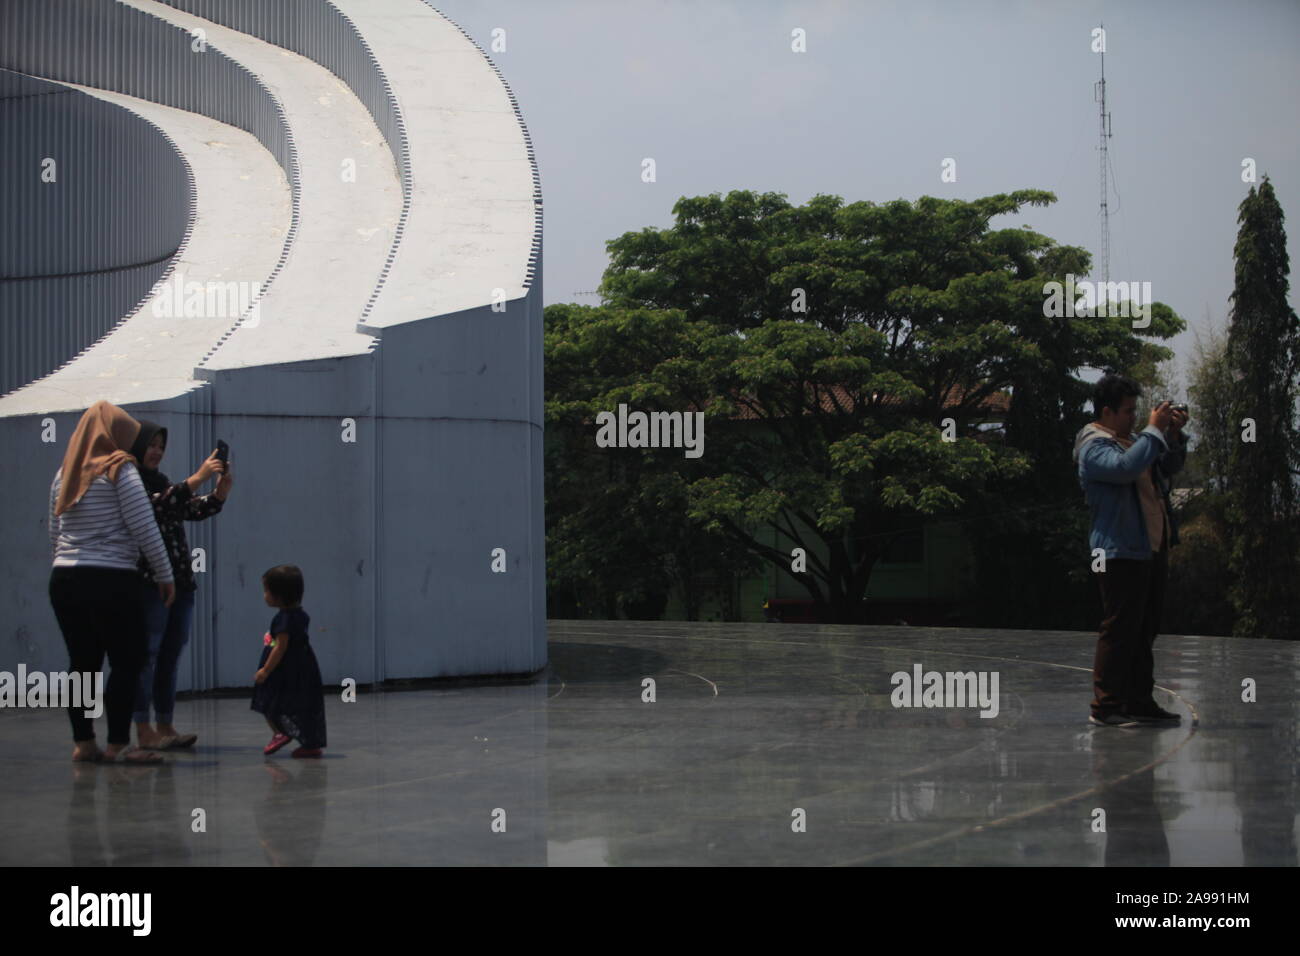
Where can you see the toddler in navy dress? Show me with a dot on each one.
(289, 691)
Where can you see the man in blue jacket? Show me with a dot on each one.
(1131, 525)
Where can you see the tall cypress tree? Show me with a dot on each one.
(1264, 357)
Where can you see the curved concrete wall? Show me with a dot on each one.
(96, 201)
(112, 46)
(116, 47)
(422, 539)
(318, 30)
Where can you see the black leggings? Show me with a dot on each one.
(100, 612)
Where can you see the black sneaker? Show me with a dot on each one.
(1113, 720)
(1153, 714)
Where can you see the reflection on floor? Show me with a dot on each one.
(764, 745)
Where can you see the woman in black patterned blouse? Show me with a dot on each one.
(169, 628)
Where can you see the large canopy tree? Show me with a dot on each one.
(827, 344)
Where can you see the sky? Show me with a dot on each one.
(885, 92)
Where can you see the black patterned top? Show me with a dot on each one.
(172, 508)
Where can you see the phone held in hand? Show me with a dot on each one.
(223, 454)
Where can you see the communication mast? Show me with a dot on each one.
(1099, 94)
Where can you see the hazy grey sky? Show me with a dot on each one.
(886, 90)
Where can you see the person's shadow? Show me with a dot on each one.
(143, 824)
(1135, 831)
(291, 817)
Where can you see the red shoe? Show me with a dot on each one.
(278, 741)
(306, 752)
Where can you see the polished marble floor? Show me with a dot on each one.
(764, 745)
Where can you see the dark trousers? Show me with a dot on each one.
(1132, 599)
(100, 612)
(168, 630)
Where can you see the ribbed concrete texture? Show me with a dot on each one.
(764, 744)
(339, 275)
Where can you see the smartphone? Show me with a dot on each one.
(223, 454)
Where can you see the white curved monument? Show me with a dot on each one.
(311, 228)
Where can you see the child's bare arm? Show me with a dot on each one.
(277, 652)
(281, 648)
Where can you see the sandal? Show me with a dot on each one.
(96, 757)
(185, 740)
(164, 743)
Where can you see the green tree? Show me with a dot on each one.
(1197, 600)
(617, 534)
(1210, 404)
(1153, 369)
(847, 334)
(1264, 358)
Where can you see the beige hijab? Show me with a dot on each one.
(98, 447)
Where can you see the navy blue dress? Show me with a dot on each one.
(293, 695)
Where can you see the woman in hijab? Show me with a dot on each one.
(169, 627)
(100, 522)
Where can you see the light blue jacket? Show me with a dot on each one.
(1108, 474)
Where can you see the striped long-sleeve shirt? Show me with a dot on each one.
(109, 526)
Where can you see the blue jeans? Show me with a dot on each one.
(169, 631)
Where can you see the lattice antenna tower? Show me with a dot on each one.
(1099, 94)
